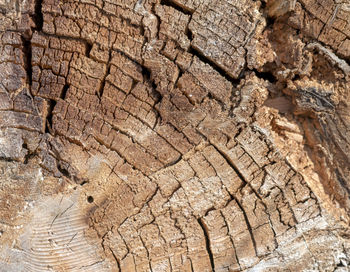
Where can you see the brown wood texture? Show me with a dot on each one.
(174, 135)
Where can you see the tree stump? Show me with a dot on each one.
(174, 135)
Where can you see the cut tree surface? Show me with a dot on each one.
(174, 135)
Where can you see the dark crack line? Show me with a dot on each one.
(248, 225)
(88, 49)
(116, 260)
(64, 91)
(27, 55)
(265, 75)
(103, 82)
(8, 159)
(230, 163)
(147, 253)
(176, 6)
(233, 244)
(238, 203)
(207, 243)
(196, 52)
(38, 15)
(48, 125)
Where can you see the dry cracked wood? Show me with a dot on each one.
(174, 135)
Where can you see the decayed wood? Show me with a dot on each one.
(174, 135)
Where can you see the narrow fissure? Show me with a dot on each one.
(176, 6)
(29, 154)
(215, 66)
(27, 55)
(88, 49)
(116, 260)
(265, 75)
(158, 21)
(84, 182)
(174, 162)
(227, 159)
(63, 171)
(248, 226)
(192, 270)
(48, 126)
(103, 83)
(189, 33)
(38, 15)
(207, 243)
(217, 99)
(269, 22)
(64, 91)
(233, 244)
(8, 159)
(147, 77)
(100, 91)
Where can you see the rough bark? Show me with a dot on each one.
(174, 135)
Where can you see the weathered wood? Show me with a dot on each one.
(174, 135)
